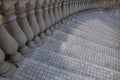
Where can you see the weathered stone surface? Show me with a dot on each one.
(6, 38)
(24, 24)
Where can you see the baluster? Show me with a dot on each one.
(67, 11)
(60, 12)
(56, 14)
(23, 22)
(51, 14)
(73, 7)
(6, 69)
(39, 17)
(33, 22)
(77, 5)
(46, 17)
(60, 9)
(70, 9)
(13, 26)
(64, 11)
(9, 44)
(66, 6)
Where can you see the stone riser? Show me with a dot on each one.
(92, 38)
(74, 65)
(41, 71)
(82, 54)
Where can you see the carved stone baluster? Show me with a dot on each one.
(56, 13)
(39, 17)
(68, 2)
(70, 9)
(46, 17)
(13, 26)
(6, 69)
(33, 22)
(60, 9)
(60, 12)
(23, 22)
(67, 11)
(51, 14)
(64, 9)
(77, 5)
(9, 44)
(73, 7)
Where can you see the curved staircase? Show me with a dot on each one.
(86, 48)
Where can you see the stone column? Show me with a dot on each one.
(51, 14)
(13, 27)
(6, 69)
(39, 17)
(23, 22)
(33, 22)
(9, 45)
(46, 17)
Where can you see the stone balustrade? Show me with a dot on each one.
(24, 24)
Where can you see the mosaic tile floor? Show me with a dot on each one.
(86, 48)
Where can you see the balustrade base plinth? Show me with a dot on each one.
(32, 45)
(52, 29)
(42, 36)
(48, 32)
(25, 51)
(17, 59)
(10, 70)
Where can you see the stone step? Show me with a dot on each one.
(101, 24)
(78, 40)
(88, 27)
(92, 45)
(82, 54)
(34, 70)
(109, 20)
(75, 66)
(78, 32)
(100, 27)
(72, 25)
(95, 25)
(87, 36)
